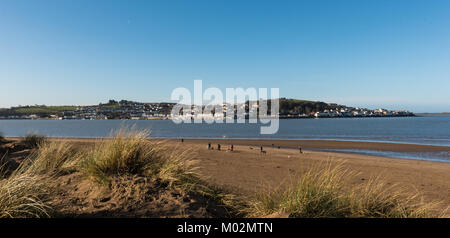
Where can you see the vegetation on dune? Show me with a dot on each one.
(376, 198)
(3, 151)
(320, 193)
(129, 152)
(26, 191)
(33, 140)
(315, 194)
(21, 196)
(52, 159)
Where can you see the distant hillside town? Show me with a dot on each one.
(289, 109)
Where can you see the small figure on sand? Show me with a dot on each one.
(209, 145)
(279, 147)
(231, 147)
(262, 150)
(182, 140)
(218, 146)
(300, 150)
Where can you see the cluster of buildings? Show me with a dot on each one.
(337, 112)
(112, 110)
(147, 111)
(360, 112)
(121, 110)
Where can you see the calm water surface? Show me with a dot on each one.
(426, 130)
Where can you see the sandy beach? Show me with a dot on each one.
(246, 170)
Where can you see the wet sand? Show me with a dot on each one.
(305, 144)
(328, 144)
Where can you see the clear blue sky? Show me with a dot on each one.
(391, 54)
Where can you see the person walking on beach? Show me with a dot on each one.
(218, 146)
(300, 149)
(182, 140)
(262, 149)
(231, 147)
(209, 145)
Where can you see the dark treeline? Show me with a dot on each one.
(298, 107)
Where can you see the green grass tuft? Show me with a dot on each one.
(320, 193)
(33, 140)
(129, 152)
(20, 197)
(25, 192)
(52, 159)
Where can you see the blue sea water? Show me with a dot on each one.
(424, 130)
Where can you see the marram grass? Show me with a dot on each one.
(52, 158)
(33, 140)
(21, 196)
(320, 193)
(24, 192)
(129, 152)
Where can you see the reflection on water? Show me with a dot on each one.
(440, 156)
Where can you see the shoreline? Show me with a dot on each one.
(403, 151)
(411, 152)
(330, 144)
(281, 117)
(315, 143)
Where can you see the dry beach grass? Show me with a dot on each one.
(320, 193)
